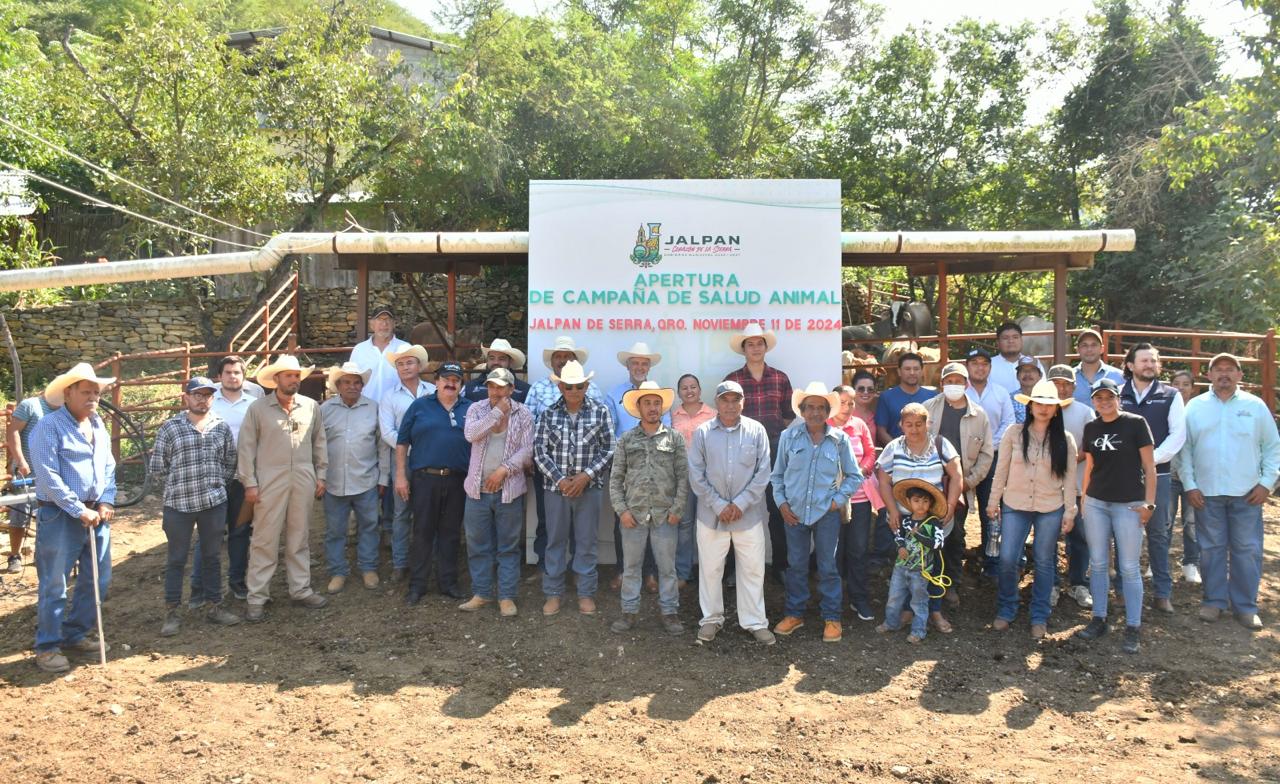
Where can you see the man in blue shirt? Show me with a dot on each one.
(1093, 366)
(75, 499)
(892, 400)
(1228, 466)
(433, 450)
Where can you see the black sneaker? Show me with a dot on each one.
(1131, 643)
(863, 609)
(1096, 628)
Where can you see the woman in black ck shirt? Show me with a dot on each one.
(1119, 496)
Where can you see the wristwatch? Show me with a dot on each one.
(1149, 507)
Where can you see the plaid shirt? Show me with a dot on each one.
(561, 448)
(544, 394)
(767, 401)
(197, 465)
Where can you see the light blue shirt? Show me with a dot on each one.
(1231, 447)
(69, 469)
(805, 474)
(999, 407)
(1084, 384)
(622, 420)
(730, 466)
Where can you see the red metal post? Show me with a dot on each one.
(451, 327)
(1060, 311)
(362, 299)
(943, 345)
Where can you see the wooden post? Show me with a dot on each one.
(1060, 311)
(1269, 370)
(866, 305)
(1195, 363)
(186, 360)
(451, 322)
(943, 348)
(362, 299)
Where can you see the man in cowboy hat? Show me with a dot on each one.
(374, 353)
(195, 455)
(357, 475)
(18, 441)
(409, 364)
(766, 399)
(814, 476)
(638, 360)
(572, 447)
(649, 487)
(282, 463)
(728, 471)
(75, 496)
(500, 430)
(432, 458)
(499, 354)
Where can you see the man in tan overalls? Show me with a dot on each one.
(282, 462)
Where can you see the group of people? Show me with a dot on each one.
(1089, 452)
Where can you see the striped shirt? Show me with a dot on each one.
(565, 444)
(901, 463)
(196, 465)
(517, 447)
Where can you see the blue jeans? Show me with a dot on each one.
(1102, 521)
(576, 519)
(1230, 552)
(237, 546)
(62, 541)
(1159, 538)
(907, 584)
(337, 511)
(1190, 542)
(209, 525)
(661, 540)
(1015, 526)
(854, 539)
(983, 496)
(824, 537)
(493, 532)
(401, 528)
(1077, 550)
(687, 540)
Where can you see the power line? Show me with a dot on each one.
(128, 182)
(118, 208)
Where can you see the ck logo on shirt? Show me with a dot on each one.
(1106, 443)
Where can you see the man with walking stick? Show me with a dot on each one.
(75, 496)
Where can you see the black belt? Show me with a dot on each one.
(437, 471)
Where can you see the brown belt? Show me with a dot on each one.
(437, 471)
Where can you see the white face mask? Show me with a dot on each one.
(953, 392)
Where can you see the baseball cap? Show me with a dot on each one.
(199, 382)
(500, 376)
(1088, 333)
(378, 310)
(449, 369)
(979, 353)
(1062, 371)
(725, 387)
(1024, 361)
(1105, 385)
(1232, 358)
(956, 369)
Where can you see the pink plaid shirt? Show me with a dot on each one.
(481, 417)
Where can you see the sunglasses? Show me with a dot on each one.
(864, 390)
(576, 386)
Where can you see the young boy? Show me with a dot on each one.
(918, 536)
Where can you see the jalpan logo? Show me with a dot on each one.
(646, 254)
(651, 246)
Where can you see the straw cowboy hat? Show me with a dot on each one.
(345, 369)
(571, 374)
(631, 398)
(412, 351)
(1042, 392)
(639, 350)
(283, 364)
(503, 347)
(563, 343)
(753, 330)
(81, 372)
(938, 502)
(815, 389)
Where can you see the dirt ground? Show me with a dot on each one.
(369, 690)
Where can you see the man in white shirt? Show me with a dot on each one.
(408, 365)
(372, 354)
(1004, 365)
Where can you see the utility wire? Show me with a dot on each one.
(118, 208)
(128, 182)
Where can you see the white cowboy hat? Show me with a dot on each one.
(815, 389)
(412, 351)
(631, 398)
(1042, 392)
(571, 374)
(283, 364)
(753, 330)
(563, 343)
(345, 369)
(503, 347)
(81, 372)
(639, 350)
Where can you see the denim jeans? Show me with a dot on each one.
(1230, 552)
(1190, 541)
(209, 524)
(493, 533)
(1015, 526)
(661, 540)
(687, 540)
(237, 546)
(907, 585)
(824, 538)
(650, 565)
(401, 528)
(853, 557)
(1104, 520)
(337, 511)
(983, 497)
(1077, 550)
(1159, 538)
(883, 547)
(62, 541)
(576, 520)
